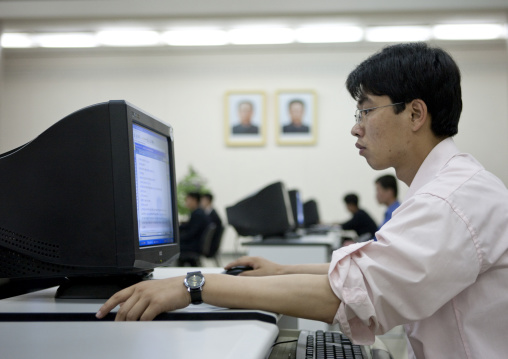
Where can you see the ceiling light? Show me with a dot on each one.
(261, 35)
(196, 37)
(66, 40)
(328, 33)
(16, 40)
(469, 31)
(397, 33)
(128, 38)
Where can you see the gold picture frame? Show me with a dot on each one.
(245, 118)
(296, 113)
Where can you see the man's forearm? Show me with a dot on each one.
(287, 294)
(321, 268)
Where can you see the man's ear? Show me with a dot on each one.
(419, 114)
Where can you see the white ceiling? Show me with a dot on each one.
(37, 9)
(45, 15)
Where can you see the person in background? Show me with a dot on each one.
(439, 266)
(386, 194)
(192, 231)
(213, 217)
(361, 222)
(207, 205)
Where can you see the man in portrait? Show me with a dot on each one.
(245, 126)
(296, 111)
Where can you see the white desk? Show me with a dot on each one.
(313, 248)
(106, 339)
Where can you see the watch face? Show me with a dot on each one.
(194, 280)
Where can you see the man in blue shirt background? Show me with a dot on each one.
(386, 193)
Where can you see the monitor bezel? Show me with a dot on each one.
(145, 256)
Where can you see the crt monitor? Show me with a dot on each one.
(92, 197)
(265, 213)
(297, 208)
(311, 213)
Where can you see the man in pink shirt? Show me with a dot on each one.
(439, 266)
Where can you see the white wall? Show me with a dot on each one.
(186, 89)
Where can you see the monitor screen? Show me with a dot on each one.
(297, 208)
(152, 174)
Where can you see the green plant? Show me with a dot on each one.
(191, 182)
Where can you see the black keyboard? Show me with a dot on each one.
(327, 345)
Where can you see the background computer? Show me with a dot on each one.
(92, 199)
(310, 213)
(297, 208)
(266, 213)
(312, 220)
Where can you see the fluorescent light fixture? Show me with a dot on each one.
(261, 35)
(16, 40)
(397, 33)
(195, 37)
(66, 40)
(128, 38)
(469, 31)
(328, 33)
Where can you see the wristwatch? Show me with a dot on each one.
(194, 281)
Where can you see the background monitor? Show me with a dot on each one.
(311, 213)
(92, 199)
(266, 213)
(297, 208)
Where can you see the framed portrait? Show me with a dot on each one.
(245, 120)
(296, 117)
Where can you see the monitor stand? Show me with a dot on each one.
(98, 287)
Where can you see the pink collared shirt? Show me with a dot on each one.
(440, 265)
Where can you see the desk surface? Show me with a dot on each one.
(331, 239)
(63, 340)
(236, 338)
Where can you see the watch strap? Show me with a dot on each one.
(195, 295)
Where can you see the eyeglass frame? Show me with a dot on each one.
(358, 112)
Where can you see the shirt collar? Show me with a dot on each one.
(435, 160)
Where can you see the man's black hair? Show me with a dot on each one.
(405, 72)
(208, 195)
(195, 195)
(351, 198)
(388, 182)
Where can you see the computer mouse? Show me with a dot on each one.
(237, 270)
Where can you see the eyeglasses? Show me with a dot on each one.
(360, 113)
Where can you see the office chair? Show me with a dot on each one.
(193, 259)
(211, 245)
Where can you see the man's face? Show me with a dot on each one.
(245, 114)
(296, 113)
(382, 136)
(205, 202)
(382, 194)
(351, 208)
(191, 203)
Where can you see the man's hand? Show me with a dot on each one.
(146, 300)
(262, 267)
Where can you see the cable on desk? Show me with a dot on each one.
(285, 342)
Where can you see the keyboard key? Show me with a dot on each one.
(327, 345)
